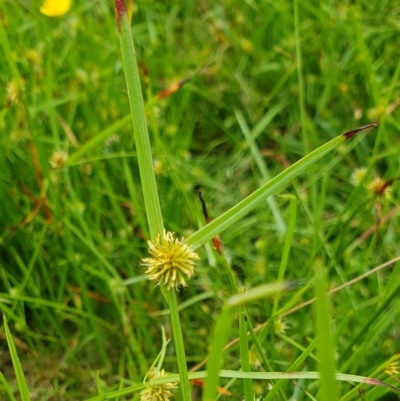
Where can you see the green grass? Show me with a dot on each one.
(270, 82)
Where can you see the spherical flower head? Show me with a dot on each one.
(379, 187)
(171, 261)
(280, 326)
(55, 8)
(58, 159)
(358, 176)
(162, 392)
(254, 358)
(33, 57)
(14, 90)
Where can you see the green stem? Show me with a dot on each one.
(300, 78)
(286, 247)
(325, 342)
(244, 353)
(179, 347)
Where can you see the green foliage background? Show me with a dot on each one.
(241, 59)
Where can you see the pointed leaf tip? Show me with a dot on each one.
(120, 11)
(350, 134)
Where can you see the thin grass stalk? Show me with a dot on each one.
(179, 346)
(19, 373)
(244, 353)
(231, 374)
(286, 247)
(300, 78)
(325, 343)
(6, 387)
(150, 194)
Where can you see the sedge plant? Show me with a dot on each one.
(172, 261)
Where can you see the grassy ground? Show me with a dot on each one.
(268, 83)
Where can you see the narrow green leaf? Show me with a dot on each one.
(100, 386)
(287, 246)
(142, 141)
(244, 354)
(241, 375)
(22, 385)
(325, 345)
(6, 387)
(234, 214)
(256, 293)
(219, 340)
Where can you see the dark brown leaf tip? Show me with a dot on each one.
(350, 134)
(172, 89)
(120, 11)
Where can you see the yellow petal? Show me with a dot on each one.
(55, 8)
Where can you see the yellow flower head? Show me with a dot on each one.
(14, 90)
(171, 261)
(34, 57)
(379, 187)
(358, 176)
(280, 326)
(58, 159)
(161, 392)
(254, 358)
(55, 8)
(393, 369)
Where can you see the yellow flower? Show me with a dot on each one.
(358, 176)
(34, 57)
(161, 392)
(58, 159)
(254, 358)
(171, 261)
(280, 326)
(55, 8)
(14, 90)
(392, 369)
(379, 187)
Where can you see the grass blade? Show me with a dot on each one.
(142, 140)
(328, 389)
(234, 214)
(22, 385)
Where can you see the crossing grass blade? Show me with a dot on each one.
(277, 183)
